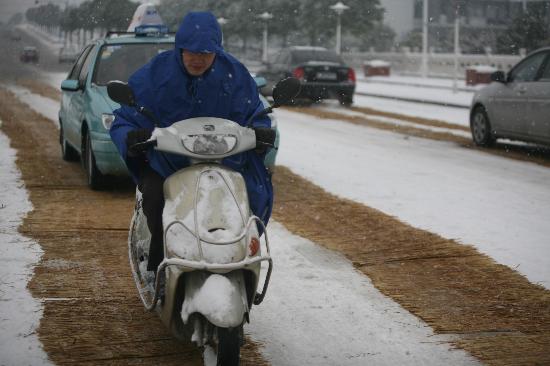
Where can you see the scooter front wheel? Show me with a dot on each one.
(229, 346)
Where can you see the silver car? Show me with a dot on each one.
(515, 105)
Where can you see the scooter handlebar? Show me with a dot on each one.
(143, 146)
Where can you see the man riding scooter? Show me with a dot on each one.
(196, 79)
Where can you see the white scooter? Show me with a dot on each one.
(206, 285)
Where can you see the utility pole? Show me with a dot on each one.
(222, 21)
(424, 67)
(265, 16)
(339, 8)
(457, 46)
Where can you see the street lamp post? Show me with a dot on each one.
(222, 21)
(457, 47)
(339, 8)
(424, 67)
(265, 16)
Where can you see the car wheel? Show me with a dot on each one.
(95, 179)
(481, 128)
(68, 153)
(346, 100)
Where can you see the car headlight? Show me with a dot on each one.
(107, 119)
(209, 144)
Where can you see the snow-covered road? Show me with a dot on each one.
(429, 95)
(319, 309)
(459, 116)
(499, 205)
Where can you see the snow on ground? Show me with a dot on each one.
(438, 83)
(47, 107)
(334, 106)
(459, 116)
(462, 98)
(499, 205)
(20, 313)
(54, 79)
(320, 311)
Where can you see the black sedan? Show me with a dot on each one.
(322, 73)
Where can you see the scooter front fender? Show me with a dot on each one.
(220, 298)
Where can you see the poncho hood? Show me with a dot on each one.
(199, 32)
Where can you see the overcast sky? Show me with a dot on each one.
(10, 7)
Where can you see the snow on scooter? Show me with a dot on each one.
(206, 285)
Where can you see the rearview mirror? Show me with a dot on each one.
(285, 90)
(70, 85)
(121, 93)
(498, 76)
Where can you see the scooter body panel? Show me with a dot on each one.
(211, 200)
(208, 200)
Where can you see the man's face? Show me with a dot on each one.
(197, 63)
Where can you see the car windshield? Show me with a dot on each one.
(302, 56)
(119, 62)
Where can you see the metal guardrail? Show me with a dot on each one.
(439, 64)
(212, 267)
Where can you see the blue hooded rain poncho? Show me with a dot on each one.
(226, 90)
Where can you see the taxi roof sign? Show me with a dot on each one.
(145, 16)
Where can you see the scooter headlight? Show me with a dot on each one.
(211, 144)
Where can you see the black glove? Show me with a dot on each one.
(265, 137)
(134, 137)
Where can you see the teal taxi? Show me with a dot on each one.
(86, 112)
